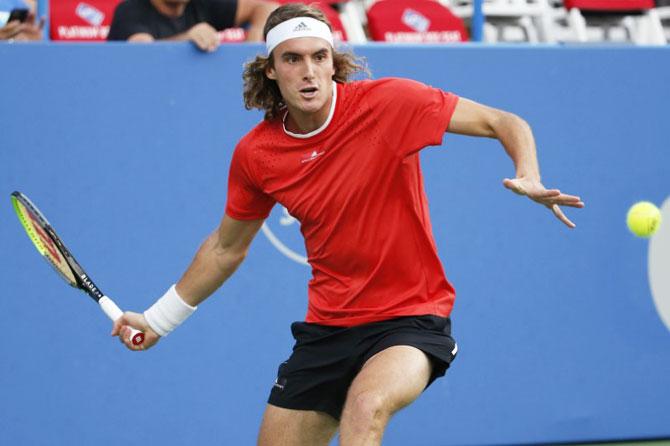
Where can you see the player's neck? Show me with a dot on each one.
(169, 8)
(298, 121)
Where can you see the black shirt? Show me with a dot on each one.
(140, 16)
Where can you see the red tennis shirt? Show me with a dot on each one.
(356, 188)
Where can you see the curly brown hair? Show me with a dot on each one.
(263, 93)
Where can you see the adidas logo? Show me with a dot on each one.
(301, 27)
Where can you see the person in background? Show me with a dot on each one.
(195, 20)
(16, 29)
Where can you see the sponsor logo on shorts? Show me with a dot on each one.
(280, 383)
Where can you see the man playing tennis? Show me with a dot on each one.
(342, 157)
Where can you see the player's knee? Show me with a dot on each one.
(369, 410)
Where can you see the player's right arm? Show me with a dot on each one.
(216, 260)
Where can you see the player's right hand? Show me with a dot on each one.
(204, 36)
(135, 320)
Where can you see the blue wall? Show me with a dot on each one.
(126, 149)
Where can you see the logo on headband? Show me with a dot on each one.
(297, 27)
(301, 27)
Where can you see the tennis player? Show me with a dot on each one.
(342, 157)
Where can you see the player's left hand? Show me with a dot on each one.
(551, 198)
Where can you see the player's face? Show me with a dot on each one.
(303, 69)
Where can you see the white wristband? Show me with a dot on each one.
(168, 312)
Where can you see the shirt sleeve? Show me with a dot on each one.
(416, 115)
(246, 201)
(221, 13)
(128, 20)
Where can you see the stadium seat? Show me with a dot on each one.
(232, 35)
(339, 31)
(414, 21)
(531, 19)
(353, 17)
(75, 20)
(637, 18)
(663, 10)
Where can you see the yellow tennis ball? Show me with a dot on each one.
(643, 219)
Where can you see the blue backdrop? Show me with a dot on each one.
(126, 149)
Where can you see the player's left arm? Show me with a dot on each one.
(255, 13)
(516, 136)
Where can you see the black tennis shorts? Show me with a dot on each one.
(325, 359)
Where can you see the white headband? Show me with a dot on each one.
(297, 27)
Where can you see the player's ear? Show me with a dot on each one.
(270, 71)
(333, 65)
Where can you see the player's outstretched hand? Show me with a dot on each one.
(551, 198)
(122, 330)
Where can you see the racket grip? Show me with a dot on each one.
(114, 312)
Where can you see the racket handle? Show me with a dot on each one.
(114, 312)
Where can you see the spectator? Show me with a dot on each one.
(27, 29)
(194, 20)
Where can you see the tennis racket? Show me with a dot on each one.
(53, 250)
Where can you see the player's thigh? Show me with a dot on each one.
(392, 379)
(288, 427)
